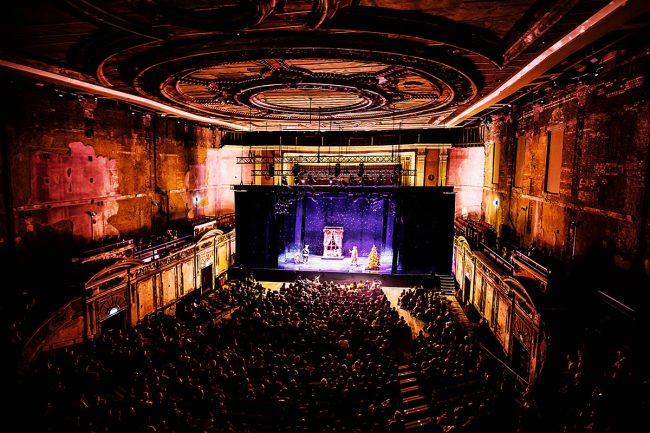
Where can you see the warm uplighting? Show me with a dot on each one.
(615, 13)
(113, 94)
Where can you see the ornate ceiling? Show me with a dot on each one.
(301, 65)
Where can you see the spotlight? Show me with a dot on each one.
(331, 180)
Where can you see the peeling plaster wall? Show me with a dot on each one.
(603, 182)
(465, 173)
(71, 156)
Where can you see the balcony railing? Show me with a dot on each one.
(531, 263)
(497, 257)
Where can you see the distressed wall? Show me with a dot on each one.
(91, 169)
(602, 203)
(465, 173)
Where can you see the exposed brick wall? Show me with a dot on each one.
(72, 155)
(604, 172)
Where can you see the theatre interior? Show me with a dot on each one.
(325, 215)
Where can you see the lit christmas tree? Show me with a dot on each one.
(373, 258)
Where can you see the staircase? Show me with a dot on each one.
(416, 409)
(447, 284)
(448, 287)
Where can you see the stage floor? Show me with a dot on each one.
(318, 264)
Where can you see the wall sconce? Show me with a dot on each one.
(92, 215)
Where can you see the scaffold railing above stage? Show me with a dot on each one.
(320, 159)
(324, 172)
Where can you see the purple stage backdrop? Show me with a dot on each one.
(367, 220)
(412, 227)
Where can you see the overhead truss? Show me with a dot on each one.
(320, 159)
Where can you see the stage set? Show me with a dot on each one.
(333, 258)
(360, 230)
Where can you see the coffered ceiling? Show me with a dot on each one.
(296, 65)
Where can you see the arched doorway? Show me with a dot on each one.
(116, 321)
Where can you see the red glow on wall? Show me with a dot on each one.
(465, 173)
(69, 186)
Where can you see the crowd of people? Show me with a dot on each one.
(599, 387)
(310, 356)
(469, 390)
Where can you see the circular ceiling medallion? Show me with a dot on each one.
(288, 87)
(299, 88)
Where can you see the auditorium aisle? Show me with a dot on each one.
(417, 412)
(393, 294)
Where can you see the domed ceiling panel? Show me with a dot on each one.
(291, 90)
(304, 64)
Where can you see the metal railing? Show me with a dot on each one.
(108, 247)
(162, 248)
(497, 257)
(320, 159)
(530, 262)
(617, 305)
(519, 379)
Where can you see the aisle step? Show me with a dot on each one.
(406, 382)
(410, 389)
(413, 399)
(417, 410)
(418, 423)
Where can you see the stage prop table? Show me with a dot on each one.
(333, 243)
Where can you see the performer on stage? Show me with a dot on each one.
(305, 253)
(354, 256)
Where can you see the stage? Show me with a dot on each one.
(278, 226)
(283, 275)
(320, 264)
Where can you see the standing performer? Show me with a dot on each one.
(354, 256)
(305, 253)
